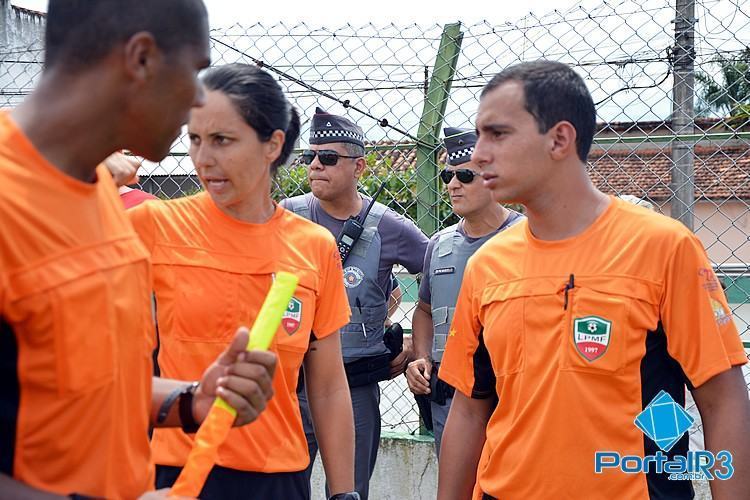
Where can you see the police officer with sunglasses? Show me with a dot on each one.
(335, 163)
(446, 257)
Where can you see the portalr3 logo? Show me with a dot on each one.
(664, 421)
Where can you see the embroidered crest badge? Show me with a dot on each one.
(591, 336)
(292, 317)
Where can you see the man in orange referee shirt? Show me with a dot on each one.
(76, 331)
(577, 331)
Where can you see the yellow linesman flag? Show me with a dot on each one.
(214, 429)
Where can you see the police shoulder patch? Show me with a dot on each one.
(353, 276)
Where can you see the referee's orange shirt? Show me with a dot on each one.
(211, 274)
(76, 331)
(644, 284)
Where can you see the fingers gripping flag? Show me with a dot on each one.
(214, 429)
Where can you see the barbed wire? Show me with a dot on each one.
(383, 122)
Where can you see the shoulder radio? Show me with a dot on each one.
(353, 228)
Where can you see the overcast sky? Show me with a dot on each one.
(336, 12)
(633, 31)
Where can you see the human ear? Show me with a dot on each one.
(359, 167)
(562, 137)
(274, 145)
(141, 55)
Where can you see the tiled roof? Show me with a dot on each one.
(720, 172)
(701, 124)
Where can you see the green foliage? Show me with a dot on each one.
(728, 92)
(290, 181)
(400, 192)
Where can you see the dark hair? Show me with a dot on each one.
(259, 100)
(80, 33)
(553, 93)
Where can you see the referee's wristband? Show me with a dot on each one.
(185, 394)
(187, 420)
(166, 405)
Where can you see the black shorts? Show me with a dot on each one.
(225, 483)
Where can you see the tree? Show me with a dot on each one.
(728, 92)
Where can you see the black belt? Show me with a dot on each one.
(368, 370)
(371, 369)
(485, 496)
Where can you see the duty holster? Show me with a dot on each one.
(440, 391)
(393, 338)
(368, 370)
(425, 410)
(373, 369)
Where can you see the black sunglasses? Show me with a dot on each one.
(327, 157)
(464, 175)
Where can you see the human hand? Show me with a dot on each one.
(244, 379)
(418, 376)
(124, 169)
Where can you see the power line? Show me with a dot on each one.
(383, 122)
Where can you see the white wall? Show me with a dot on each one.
(724, 229)
(407, 470)
(21, 55)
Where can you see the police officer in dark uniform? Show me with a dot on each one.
(335, 164)
(481, 219)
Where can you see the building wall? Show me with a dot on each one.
(723, 227)
(19, 26)
(657, 135)
(21, 52)
(407, 469)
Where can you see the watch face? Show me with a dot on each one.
(346, 496)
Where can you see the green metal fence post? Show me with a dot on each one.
(429, 127)
(428, 137)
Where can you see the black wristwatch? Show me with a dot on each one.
(187, 420)
(352, 495)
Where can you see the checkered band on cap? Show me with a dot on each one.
(327, 128)
(333, 134)
(462, 153)
(459, 143)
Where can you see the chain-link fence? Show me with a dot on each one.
(671, 79)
